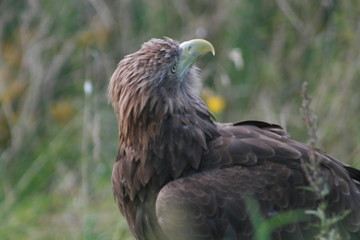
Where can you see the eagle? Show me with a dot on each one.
(179, 174)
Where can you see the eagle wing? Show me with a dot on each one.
(253, 160)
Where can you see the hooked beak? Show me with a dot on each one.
(191, 51)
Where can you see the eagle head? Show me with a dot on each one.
(160, 72)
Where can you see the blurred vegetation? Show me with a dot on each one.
(58, 144)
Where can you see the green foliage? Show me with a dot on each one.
(264, 227)
(327, 224)
(57, 146)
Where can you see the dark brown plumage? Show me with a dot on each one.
(179, 175)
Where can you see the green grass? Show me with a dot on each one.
(64, 216)
(55, 167)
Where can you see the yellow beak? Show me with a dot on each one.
(191, 51)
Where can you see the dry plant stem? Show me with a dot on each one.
(291, 15)
(311, 170)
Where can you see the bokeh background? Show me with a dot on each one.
(58, 142)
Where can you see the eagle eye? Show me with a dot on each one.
(173, 68)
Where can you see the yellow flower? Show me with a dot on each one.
(96, 34)
(62, 111)
(216, 103)
(12, 92)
